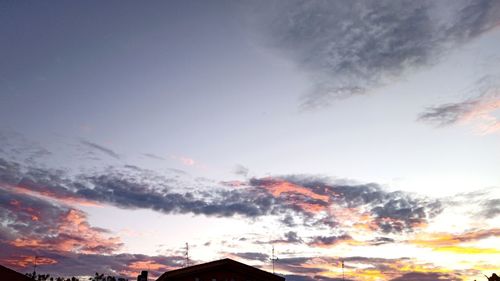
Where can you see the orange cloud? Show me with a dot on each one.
(483, 114)
(280, 187)
(152, 266)
(48, 195)
(448, 239)
(24, 261)
(467, 250)
(277, 187)
(18, 206)
(80, 237)
(74, 234)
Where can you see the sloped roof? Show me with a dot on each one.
(224, 264)
(11, 275)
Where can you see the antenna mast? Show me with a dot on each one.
(273, 258)
(342, 261)
(187, 254)
(34, 267)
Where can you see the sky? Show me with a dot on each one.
(359, 131)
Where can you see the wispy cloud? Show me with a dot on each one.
(427, 276)
(351, 47)
(478, 110)
(101, 149)
(453, 239)
(153, 156)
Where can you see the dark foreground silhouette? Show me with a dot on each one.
(494, 277)
(96, 277)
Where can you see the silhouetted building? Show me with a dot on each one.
(11, 275)
(220, 270)
(143, 276)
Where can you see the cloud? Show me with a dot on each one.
(381, 241)
(326, 241)
(153, 156)
(254, 256)
(307, 200)
(491, 208)
(137, 189)
(31, 222)
(366, 268)
(294, 277)
(290, 237)
(101, 149)
(439, 240)
(478, 110)
(64, 242)
(351, 47)
(426, 276)
(78, 264)
(241, 170)
(368, 204)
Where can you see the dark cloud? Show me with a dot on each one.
(289, 221)
(153, 156)
(350, 47)
(426, 276)
(253, 256)
(448, 114)
(381, 241)
(101, 148)
(128, 193)
(294, 277)
(391, 211)
(479, 108)
(290, 237)
(491, 208)
(329, 240)
(298, 197)
(140, 189)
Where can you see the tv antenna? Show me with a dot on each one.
(273, 258)
(34, 267)
(342, 263)
(187, 254)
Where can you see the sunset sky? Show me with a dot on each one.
(362, 131)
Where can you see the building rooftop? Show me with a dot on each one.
(11, 275)
(220, 265)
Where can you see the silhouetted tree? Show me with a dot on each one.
(494, 277)
(97, 277)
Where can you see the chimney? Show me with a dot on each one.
(143, 276)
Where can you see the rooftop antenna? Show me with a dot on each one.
(34, 267)
(187, 254)
(273, 258)
(342, 262)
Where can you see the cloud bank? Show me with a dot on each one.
(308, 199)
